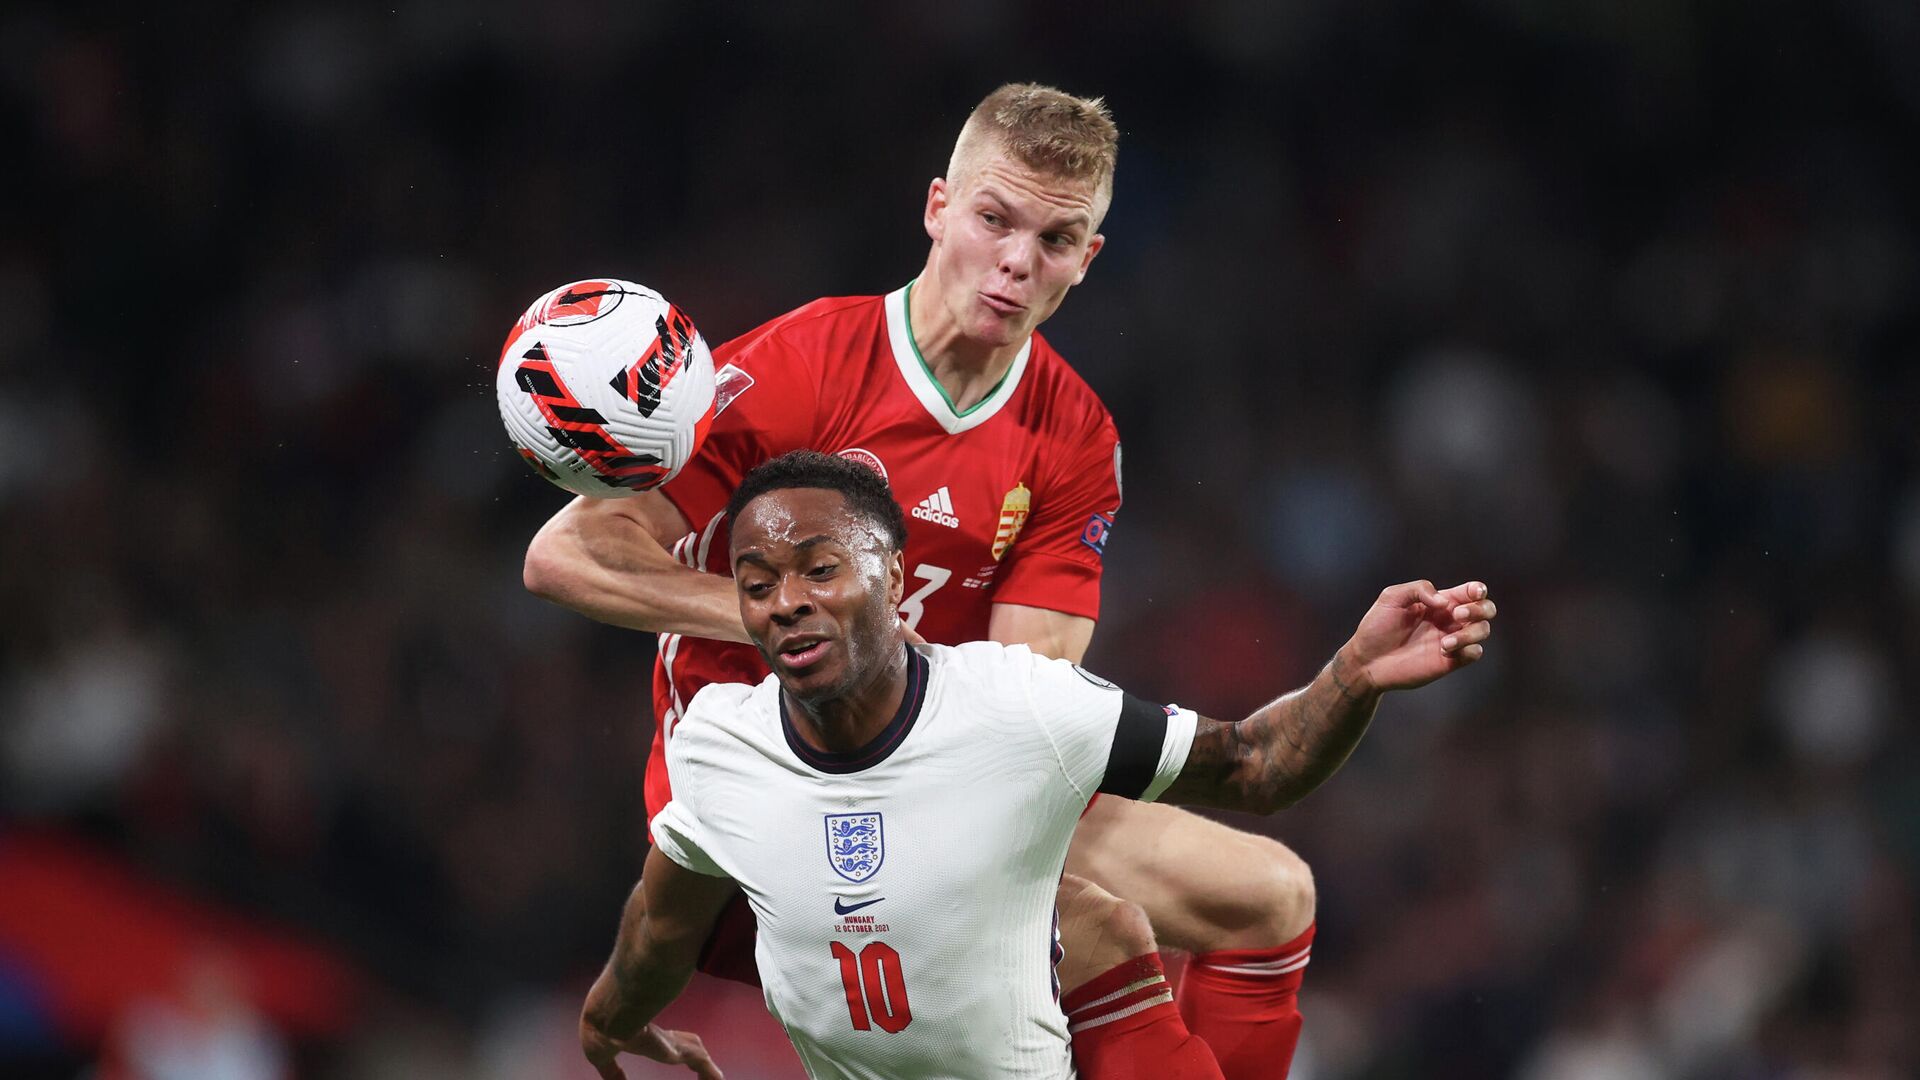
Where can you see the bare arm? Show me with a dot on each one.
(668, 918)
(607, 559)
(1411, 636)
(1049, 633)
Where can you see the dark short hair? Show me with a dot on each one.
(865, 490)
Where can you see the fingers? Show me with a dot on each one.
(1478, 611)
(666, 1047)
(1461, 606)
(1468, 637)
(1469, 602)
(1410, 594)
(601, 1053)
(691, 1052)
(1462, 594)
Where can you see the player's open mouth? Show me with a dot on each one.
(1001, 306)
(803, 653)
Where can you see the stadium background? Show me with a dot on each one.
(1608, 304)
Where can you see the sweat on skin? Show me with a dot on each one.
(767, 547)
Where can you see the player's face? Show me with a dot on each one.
(1007, 245)
(819, 591)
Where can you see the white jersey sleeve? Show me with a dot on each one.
(1107, 740)
(677, 833)
(678, 829)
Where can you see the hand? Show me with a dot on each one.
(1414, 633)
(667, 1047)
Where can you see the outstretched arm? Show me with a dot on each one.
(667, 919)
(1411, 636)
(608, 560)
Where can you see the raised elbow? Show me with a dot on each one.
(546, 573)
(1263, 804)
(1267, 795)
(1287, 795)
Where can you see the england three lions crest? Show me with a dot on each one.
(856, 845)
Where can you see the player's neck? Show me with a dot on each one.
(850, 721)
(967, 370)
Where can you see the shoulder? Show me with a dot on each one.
(1026, 699)
(1057, 381)
(1017, 670)
(979, 656)
(721, 711)
(769, 380)
(806, 326)
(1065, 410)
(992, 669)
(982, 669)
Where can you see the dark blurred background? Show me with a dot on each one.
(1609, 304)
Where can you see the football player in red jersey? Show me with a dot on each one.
(1009, 468)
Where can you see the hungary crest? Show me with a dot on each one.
(856, 845)
(1013, 515)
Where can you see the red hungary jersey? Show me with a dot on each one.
(1008, 502)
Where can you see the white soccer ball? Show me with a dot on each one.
(605, 388)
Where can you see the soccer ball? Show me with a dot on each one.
(605, 388)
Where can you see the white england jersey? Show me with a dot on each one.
(905, 891)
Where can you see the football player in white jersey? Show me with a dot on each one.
(899, 816)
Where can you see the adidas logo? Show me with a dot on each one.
(937, 508)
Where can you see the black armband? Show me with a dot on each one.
(1137, 738)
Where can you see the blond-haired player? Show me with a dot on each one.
(1009, 467)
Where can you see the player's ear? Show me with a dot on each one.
(897, 579)
(935, 215)
(1093, 248)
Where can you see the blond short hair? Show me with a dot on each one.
(1047, 130)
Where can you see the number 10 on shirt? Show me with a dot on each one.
(876, 986)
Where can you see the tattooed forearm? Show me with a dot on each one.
(1273, 758)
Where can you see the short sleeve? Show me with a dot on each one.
(678, 835)
(1055, 564)
(767, 393)
(678, 831)
(1106, 739)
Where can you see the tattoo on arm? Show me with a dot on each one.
(1273, 758)
(666, 919)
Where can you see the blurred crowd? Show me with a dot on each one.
(1607, 305)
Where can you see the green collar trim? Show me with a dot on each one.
(958, 413)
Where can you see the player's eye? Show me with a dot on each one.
(824, 570)
(991, 218)
(1058, 239)
(758, 588)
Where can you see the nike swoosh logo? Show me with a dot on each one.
(848, 909)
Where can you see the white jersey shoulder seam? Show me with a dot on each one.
(1046, 729)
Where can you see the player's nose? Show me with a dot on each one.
(791, 600)
(1018, 255)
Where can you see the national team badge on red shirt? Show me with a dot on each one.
(865, 457)
(1013, 516)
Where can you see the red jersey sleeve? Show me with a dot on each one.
(769, 393)
(1055, 560)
